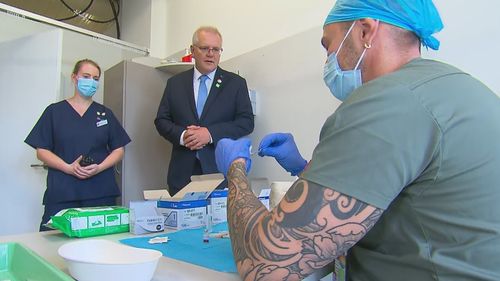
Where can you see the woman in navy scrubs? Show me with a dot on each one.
(80, 141)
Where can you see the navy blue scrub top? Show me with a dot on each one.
(63, 131)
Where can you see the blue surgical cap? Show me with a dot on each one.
(419, 16)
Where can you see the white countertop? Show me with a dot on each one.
(46, 244)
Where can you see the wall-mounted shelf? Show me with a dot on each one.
(175, 67)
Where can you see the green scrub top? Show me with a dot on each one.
(423, 144)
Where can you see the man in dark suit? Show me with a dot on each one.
(199, 107)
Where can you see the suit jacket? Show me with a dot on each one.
(227, 114)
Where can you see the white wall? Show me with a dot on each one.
(166, 26)
(144, 23)
(245, 25)
(135, 21)
(471, 38)
(158, 32)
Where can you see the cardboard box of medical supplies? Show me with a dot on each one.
(144, 217)
(91, 221)
(218, 206)
(188, 207)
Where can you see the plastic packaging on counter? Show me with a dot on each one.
(91, 221)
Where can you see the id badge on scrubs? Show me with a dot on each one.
(102, 122)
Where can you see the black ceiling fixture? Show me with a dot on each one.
(115, 8)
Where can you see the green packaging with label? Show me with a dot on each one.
(91, 221)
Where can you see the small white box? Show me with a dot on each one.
(144, 217)
(182, 215)
(218, 205)
(188, 207)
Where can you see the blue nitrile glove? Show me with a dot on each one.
(228, 150)
(282, 147)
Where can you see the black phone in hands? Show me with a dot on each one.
(86, 160)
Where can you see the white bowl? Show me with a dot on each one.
(98, 259)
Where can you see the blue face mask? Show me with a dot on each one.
(87, 86)
(342, 82)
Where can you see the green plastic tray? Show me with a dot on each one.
(18, 263)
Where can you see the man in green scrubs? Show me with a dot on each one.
(405, 178)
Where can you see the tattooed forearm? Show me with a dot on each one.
(310, 227)
(243, 210)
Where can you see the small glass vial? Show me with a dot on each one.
(206, 236)
(208, 225)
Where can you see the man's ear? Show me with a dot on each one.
(369, 28)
